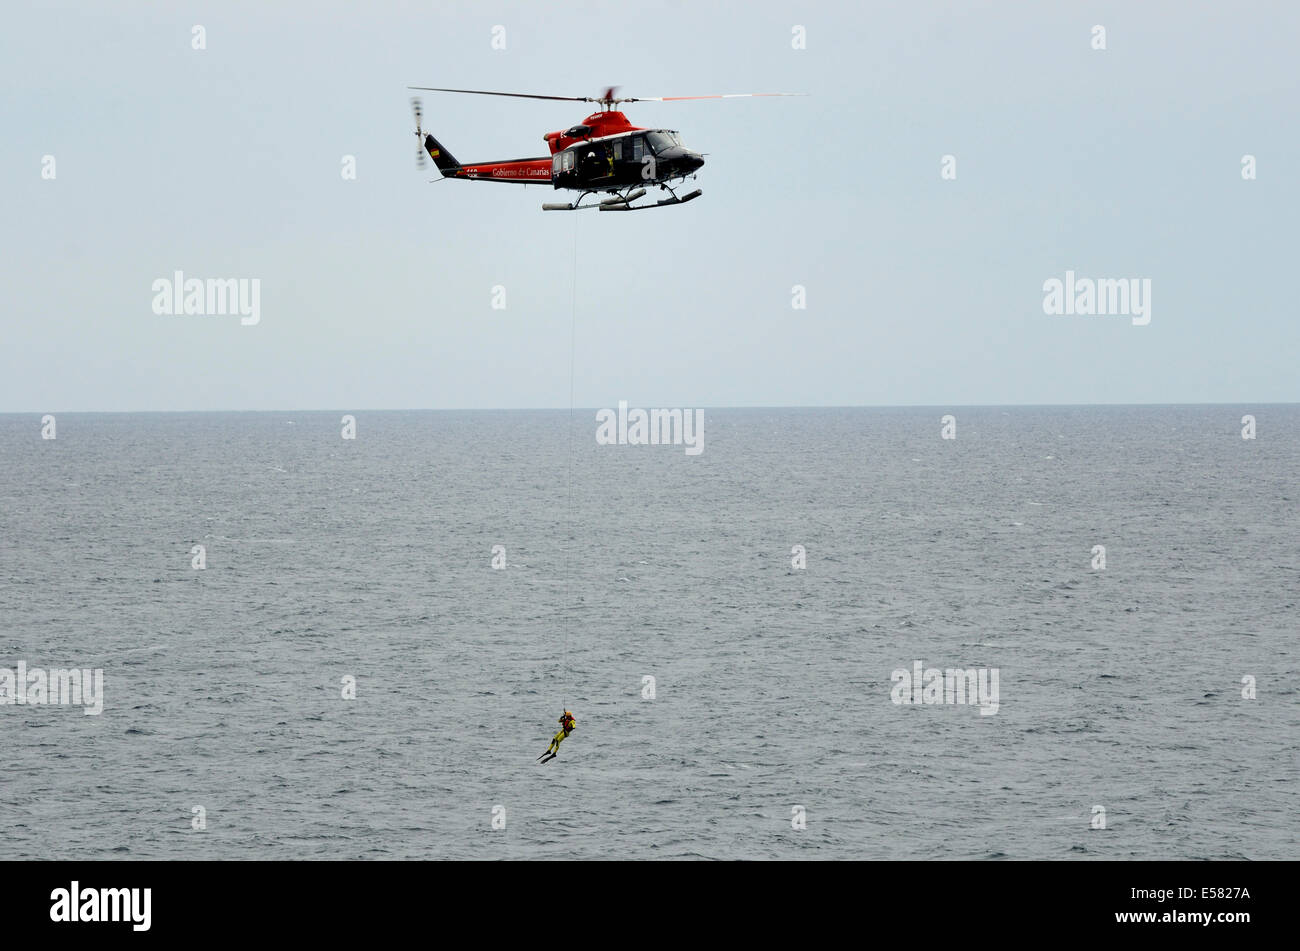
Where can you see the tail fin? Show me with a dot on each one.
(445, 161)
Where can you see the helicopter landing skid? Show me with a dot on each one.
(622, 202)
(624, 206)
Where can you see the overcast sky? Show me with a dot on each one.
(377, 292)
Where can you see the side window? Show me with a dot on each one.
(557, 164)
(568, 161)
(618, 150)
(637, 147)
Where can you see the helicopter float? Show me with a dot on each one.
(604, 154)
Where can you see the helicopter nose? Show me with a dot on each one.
(694, 160)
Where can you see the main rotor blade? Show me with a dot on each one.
(513, 95)
(731, 95)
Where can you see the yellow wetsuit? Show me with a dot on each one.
(566, 727)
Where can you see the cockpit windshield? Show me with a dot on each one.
(661, 140)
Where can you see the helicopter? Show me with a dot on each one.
(603, 155)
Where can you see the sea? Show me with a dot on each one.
(322, 647)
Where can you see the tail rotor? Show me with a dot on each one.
(418, 108)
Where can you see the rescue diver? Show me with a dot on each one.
(567, 723)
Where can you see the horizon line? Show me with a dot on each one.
(562, 409)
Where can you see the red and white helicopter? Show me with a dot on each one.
(605, 154)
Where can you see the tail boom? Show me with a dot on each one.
(524, 171)
(528, 171)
